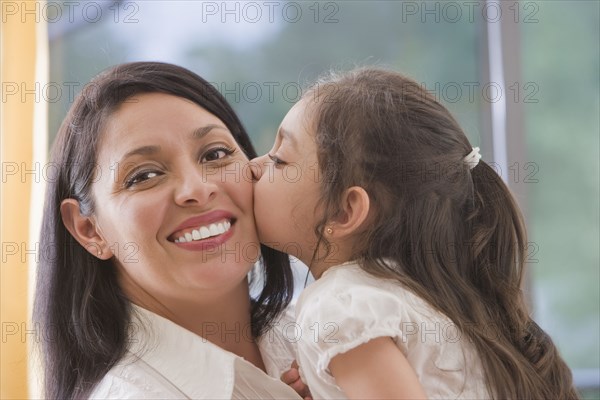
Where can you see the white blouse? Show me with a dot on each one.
(348, 307)
(166, 361)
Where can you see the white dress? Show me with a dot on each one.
(166, 361)
(348, 307)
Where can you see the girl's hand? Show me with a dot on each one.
(292, 378)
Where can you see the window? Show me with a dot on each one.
(260, 54)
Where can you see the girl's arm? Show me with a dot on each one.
(376, 370)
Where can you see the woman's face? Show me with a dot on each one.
(287, 188)
(173, 200)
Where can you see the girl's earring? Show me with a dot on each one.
(329, 230)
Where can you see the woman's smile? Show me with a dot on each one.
(205, 231)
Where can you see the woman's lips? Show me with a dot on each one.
(209, 243)
(202, 232)
(207, 225)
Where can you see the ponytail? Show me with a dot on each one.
(526, 353)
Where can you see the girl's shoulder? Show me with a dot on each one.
(347, 293)
(349, 283)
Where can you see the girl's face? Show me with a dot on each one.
(287, 188)
(172, 201)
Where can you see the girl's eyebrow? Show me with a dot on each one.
(284, 134)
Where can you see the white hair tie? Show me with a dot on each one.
(472, 159)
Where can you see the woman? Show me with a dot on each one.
(149, 237)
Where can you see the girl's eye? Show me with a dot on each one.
(276, 160)
(141, 177)
(216, 154)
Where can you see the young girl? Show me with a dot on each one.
(416, 244)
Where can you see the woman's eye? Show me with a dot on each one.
(216, 154)
(276, 160)
(141, 177)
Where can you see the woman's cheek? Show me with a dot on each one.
(266, 215)
(240, 189)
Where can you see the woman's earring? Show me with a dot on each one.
(329, 230)
(97, 247)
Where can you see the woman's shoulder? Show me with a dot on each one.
(132, 378)
(164, 360)
(278, 344)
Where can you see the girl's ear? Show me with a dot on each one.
(84, 230)
(355, 210)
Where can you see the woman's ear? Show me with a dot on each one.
(84, 230)
(355, 210)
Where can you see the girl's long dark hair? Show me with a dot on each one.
(456, 234)
(78, 302)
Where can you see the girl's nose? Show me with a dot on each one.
(257, 166)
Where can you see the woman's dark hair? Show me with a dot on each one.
(78, 301)
(456, 234)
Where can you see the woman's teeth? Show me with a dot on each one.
(204, 232)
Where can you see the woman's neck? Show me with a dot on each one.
(225, 322)
(222, 319)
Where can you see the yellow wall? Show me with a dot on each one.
(18, 72)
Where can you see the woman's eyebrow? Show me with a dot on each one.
(199, 133)
(143, 150)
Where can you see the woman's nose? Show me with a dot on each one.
(195, 189)
(257, 166)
